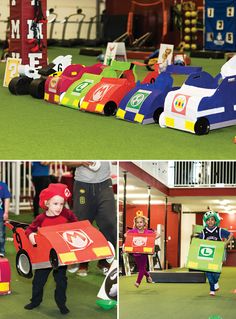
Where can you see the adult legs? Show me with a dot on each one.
(40, 183)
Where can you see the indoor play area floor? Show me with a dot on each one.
(36, 129)
(178, 301)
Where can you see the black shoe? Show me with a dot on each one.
(64, 310)
(30, 306)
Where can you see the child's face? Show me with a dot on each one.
(55, 205)
(211, 222)
(140, 224)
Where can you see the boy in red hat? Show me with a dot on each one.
(52, 200)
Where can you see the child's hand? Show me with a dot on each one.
(32, 238)
(5, 216)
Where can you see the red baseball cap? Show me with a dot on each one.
(56, 189)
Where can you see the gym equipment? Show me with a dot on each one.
(52, 20)
(166, 276)
(5, 276)
(128, 36)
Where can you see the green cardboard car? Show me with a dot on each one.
(81, 87)
(206, 255)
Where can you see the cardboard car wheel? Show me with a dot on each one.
(202, 126)
(36, 88)
(110, 284)
(23, 264)
(19, 85)
(162, 120)
(110, 108)
(157, 114)
(53, 259)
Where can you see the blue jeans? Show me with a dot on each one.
(2, 236)
(213, 278)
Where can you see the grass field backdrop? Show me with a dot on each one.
(81, 292)
(35, 129)
(178, 301)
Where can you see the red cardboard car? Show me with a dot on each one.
(105, 96)
(59, 245)
(56, 86)
(140, 243)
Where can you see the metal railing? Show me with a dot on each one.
(204, 173)
(192, 173)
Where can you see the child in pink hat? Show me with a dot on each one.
(52, 200)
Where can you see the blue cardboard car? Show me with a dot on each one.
(145, 102)
(203, 103)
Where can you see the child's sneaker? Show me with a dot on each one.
(212, 293)
(149, 280)
(217, 287)
(83, 270)
(136, 284)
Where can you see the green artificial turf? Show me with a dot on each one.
(178, 301)
(35, 129)
(81, 293)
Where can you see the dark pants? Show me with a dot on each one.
(213, 278)
(40, 279)
(141, 262)
(96, 202)
(40, 183)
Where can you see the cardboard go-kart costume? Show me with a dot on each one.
(5, 276)
(77, 91)
(206, 255)
(31, 80)
(105, 96)
(144, 103)
(140, 243)
(202, 104)
(64, 244)
(56, 86)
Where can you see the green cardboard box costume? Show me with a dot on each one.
(206, 255)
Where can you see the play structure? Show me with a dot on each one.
(28, 39)
(64, 244)
(202, 103)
